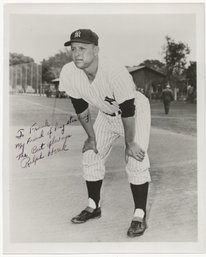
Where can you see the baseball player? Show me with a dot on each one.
(92, 80)
(167, 98)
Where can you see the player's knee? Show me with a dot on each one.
(133, 166)
(90, 158)
(139, 177)
(93, 166)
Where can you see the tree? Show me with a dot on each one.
(51, 68)
(47, 74)
(175, 55)
(15, 58)
(191, 74)
(155, 64)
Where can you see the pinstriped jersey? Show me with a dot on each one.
(112, 85)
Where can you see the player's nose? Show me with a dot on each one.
(78, 53)
(75, 53)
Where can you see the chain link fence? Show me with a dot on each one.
(26, 78)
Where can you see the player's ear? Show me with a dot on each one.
(96, 50)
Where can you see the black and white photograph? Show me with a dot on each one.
(104, 128)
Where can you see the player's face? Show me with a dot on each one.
(83, 55)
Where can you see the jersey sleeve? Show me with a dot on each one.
(66, 82)
(123, 85)
(80, 105)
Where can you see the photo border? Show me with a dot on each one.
(117, 248)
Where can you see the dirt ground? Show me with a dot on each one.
(45, 196)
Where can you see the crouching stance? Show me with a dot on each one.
(123, 111)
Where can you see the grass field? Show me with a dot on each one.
(181, 119)
(44, 197)
(25, 110)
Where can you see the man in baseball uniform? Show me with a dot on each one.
(167, 98)
(91, 80)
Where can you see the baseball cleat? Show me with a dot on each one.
(137, 227)
(86, 215)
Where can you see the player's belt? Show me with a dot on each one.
(113, 114)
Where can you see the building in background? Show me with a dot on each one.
(148, 81)
(52, 90)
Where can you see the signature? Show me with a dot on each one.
(54, 150)
(28, 161)
(39, 142)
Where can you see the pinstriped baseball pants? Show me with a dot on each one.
(107, 130)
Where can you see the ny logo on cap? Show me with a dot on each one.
(77, 34)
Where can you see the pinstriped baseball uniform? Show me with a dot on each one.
(112, 86)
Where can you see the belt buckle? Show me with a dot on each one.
(116, 113)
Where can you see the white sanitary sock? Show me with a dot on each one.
(92, 203)
(139, 213)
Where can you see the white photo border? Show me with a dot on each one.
(109, 248)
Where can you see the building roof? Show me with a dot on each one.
(55, 80)
(140, 67)
(135, 68)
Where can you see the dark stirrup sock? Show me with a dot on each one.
(139, 193)
(94, 188)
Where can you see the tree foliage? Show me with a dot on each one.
(15, 58)
(175, 56)
(155, 64)
(191, 74)
(51, 67)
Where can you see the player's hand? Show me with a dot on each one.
(135, 151)
(90, 144)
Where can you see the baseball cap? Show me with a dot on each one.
(83, 36)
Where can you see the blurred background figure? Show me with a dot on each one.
(167, 98)
(190, 93)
